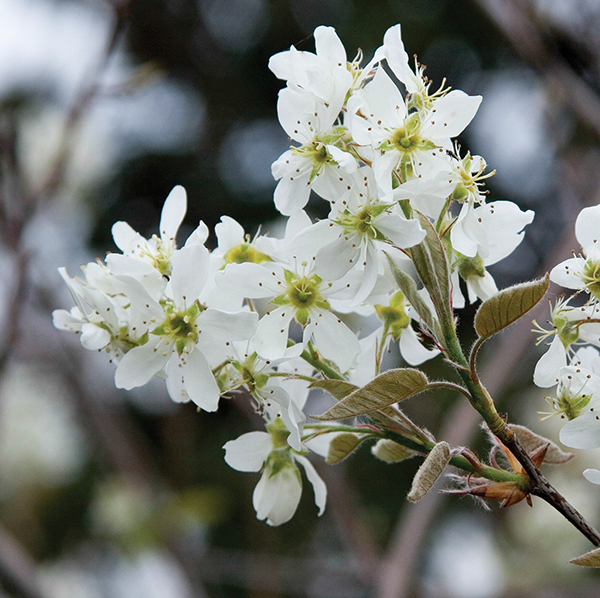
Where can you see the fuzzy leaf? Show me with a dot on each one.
(532, 441)
(342, 445)
(589, 559)
(388, 388)
(409, 288)
(337, 388)
(431, 263)
(501, 310)
(390, 451)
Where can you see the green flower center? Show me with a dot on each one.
(180, 327)
(245, 252)
(405, 141)
(570, 406)
(591, 277)
(568, 332)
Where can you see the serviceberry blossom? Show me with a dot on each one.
(265, 318)
(278, 491)
(583, 272)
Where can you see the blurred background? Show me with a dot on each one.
(104, 107)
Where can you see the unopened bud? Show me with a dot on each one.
(430, 471)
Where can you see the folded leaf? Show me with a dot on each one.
(501, 310)
(409, 288)
(390, 451)
(388, 388)
(431, 263)
(589, 559)
(337, 388)
(342, 445)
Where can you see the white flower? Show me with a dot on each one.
(275, 396)
(318, 162)
(413, 142)
(583, 272)
(492, 231)
(361, 228)
(578, 400)
(569, 327)
(183, 335)
(325, 74)
(278, 491)
(158, 250)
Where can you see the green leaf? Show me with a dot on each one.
(532, 442)
(390, 451)
(501, 310)
(342, 445)
(431, 263)
(338, 388)
(388, 388)
(409, 288)
(589, 559)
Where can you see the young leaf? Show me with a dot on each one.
(409, 288)
(390, 451)
(388, 388)
(431, 263)
(342, 445)
(589, 559)
(429, 472)
(508, 306)
(532, 441)
(337, 388)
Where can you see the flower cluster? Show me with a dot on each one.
(572, 361)
(270, 316)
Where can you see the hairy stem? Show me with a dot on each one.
(481, 400)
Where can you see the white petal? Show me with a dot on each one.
(228, 326)
(173, 213)
(411, 349)
(545, 374)
(270, 340)
(139, 364)
(125, 238)
(276, 497)
(329, 46)
(503, 222)
(453, 112)
(248, 280)
(587, 226)
(565, 273)
(583, 432)
(175, 385)
(93, 337)
(229, 233)
(592, 475)
(400, 231)
(334, 339)
(249, 451)
(335, 259)
(190, 267)
(199, 381)
(317, 483)
(291, 193)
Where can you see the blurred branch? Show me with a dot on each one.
(531, 44)
(18, 571)
(83, 100)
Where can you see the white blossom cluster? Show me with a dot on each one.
(572, 360)
(268, 315)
